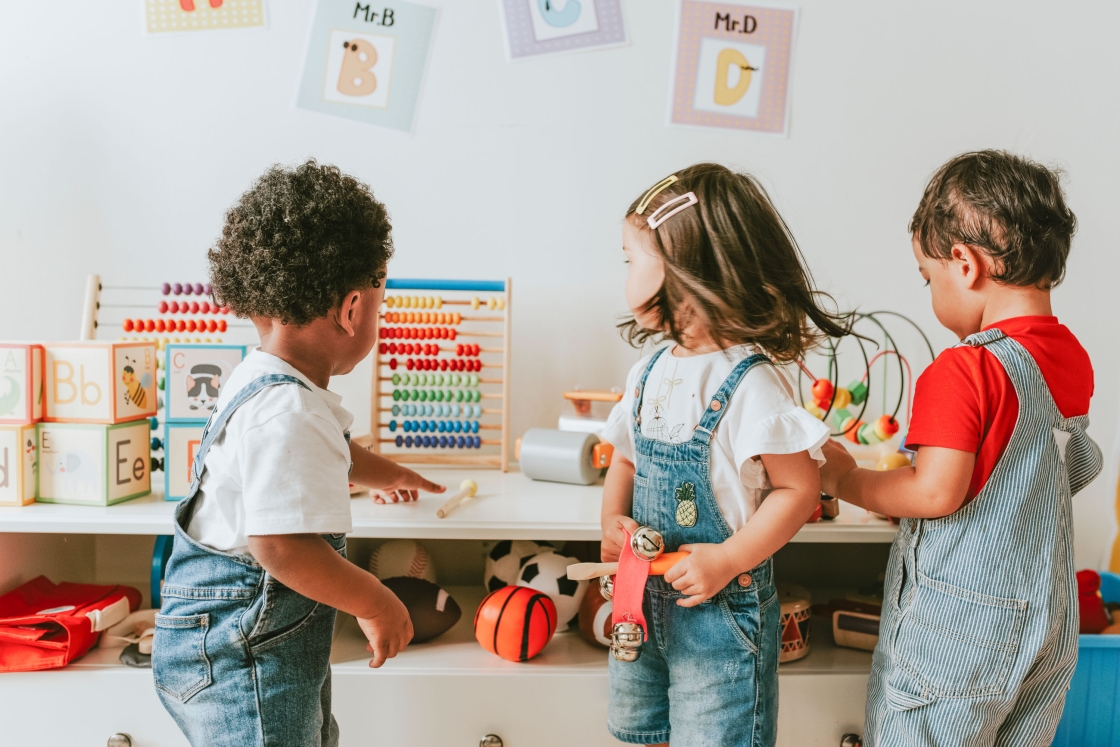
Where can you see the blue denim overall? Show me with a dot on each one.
(707, 675)
(979, 632)
(239, 659)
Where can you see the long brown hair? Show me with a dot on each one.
(735, 259)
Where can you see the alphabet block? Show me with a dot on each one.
(19, 464)
(100, 382)
(21, 383)
(195, 376)
(180, 447)
(93, 464)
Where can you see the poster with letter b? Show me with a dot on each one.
(366, 61)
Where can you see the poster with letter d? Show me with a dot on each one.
(366, 61)
(732, 67)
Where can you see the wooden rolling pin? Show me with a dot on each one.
(586, 571)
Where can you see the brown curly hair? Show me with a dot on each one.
(735, 258)
(297, 241)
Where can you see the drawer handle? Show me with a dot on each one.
(851, 740)
(119, 740)
(491, 740)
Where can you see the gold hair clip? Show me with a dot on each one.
(655, 190)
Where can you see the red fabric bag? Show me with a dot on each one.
(45, 625)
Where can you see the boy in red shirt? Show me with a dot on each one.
(978, 639)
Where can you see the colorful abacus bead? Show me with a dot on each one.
(841, 420)
(885, 427)
(814, 410)
(177, 288)
(851, 431)
(842, 398)
(822, 390)
(866, 434)
(858, 391)
(165, 288)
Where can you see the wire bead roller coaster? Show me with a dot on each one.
(831, 402)
(441, 373)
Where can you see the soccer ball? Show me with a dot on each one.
(548, 573)
(504, 561)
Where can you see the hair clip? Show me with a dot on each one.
(660, 215)
(654, 191)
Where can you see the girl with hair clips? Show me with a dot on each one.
(708, 429)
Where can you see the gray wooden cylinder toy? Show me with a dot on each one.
(558, 456)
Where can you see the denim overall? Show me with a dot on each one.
(707, 675)
(979, 631)
(239, 659)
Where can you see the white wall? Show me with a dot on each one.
(119, 154)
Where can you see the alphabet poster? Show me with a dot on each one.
(733, 66)
(366, 61)
(536, 27)
(162, 16)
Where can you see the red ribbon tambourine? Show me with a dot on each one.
(630, 589)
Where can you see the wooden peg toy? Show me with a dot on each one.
(467, 489)
(588, 571)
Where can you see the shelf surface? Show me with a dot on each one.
(507, 506)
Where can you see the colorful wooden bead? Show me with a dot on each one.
(842, 398)
(814, 410)
(177, 289)
(822, 390)
(851, 430)
(887, 426)
(475, 303)
(858, 391)
(165, 288)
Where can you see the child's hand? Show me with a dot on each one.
(839, 464)
(616, 533)
(701, 575)
(405, 487)
(387, 632)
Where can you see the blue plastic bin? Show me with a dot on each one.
(1092, 714)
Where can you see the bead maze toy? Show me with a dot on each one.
(441, 373)
(834, 404)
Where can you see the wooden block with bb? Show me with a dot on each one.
(21, 383)
(92, 464)
(100, 382)
(19, 464)
(195, 375)
(180, 446)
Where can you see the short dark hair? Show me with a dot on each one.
(735, 258)
(297, 241)
(1009, 207)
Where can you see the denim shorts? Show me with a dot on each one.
(708, 675)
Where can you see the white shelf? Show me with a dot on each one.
(508, 506)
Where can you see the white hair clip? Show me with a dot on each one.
(677, 204)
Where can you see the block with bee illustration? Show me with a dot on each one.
(195, 375)
(99, 382)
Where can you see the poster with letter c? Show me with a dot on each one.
(732, 68)
(366, 61)
(541, 27)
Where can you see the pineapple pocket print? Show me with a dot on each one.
(686, 504)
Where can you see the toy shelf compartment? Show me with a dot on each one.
(508, 506)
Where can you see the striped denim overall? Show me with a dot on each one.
(979, 632)
(239, 659)
(707, 675)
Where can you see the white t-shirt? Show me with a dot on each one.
(281, 466)
(761, 418)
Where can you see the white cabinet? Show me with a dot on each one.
(448, 692)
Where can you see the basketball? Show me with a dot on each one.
(595, 618)
(402, 557)
(432, 610)
(515, 622)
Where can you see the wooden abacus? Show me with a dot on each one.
(441, 361)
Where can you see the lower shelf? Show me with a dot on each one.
(447, 692)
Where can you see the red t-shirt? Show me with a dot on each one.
(965, 399)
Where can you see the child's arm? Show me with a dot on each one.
(387, 477)
(307, 565)
(618, 501)
(709, 567)
(935, 486)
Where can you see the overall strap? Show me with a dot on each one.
(711, 417)
(640, 390)
(1021, 368)
(217, 422)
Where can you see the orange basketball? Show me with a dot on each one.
(515, 622)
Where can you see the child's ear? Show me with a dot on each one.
(349, 312)
(970, 265)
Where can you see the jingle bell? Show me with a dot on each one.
(606, 587)
(625, 654)
(647, 543)
(627, 635)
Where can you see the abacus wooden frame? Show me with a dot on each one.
(501, 461)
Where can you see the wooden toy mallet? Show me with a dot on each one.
(467, 489)
(657, 567)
